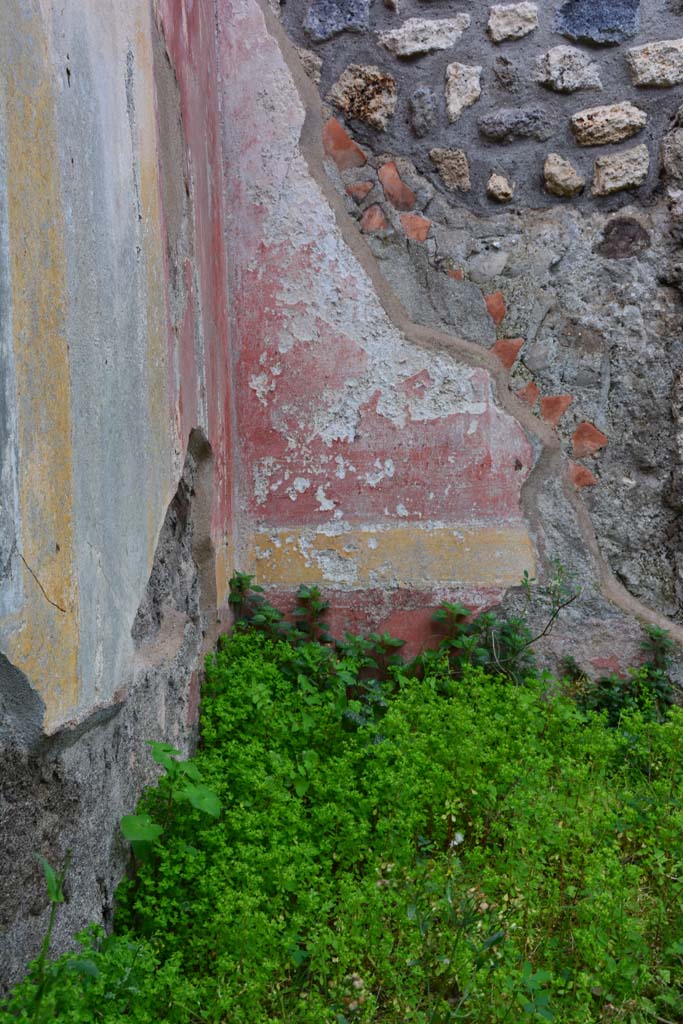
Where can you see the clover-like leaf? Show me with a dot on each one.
(204, 799)
(165, 755)
(139, 828)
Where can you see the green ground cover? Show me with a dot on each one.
(405, 844)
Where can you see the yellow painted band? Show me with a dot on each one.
(405, 556)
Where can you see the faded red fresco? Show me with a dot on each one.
(188, 30)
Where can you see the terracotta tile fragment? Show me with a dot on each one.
(340, 146)
(554, 407)
(581, 476)
(415, 227)
(396, 191)
(457, 274)
(373, 220)
(495, 303)
(609, 664)
(587, 440)
(529, 394)
(359, 190)
(507, 349)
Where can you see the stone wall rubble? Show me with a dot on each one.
(552, 231)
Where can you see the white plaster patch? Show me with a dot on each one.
(343, 467)
(325, 504)
(262, 385)
(337, 415)
(382, 471)
(299, 486)
(335, 567)
(262, 472)
(475, 408)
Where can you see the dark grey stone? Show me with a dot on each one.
(506, 74)
(602, 22)
(509, 124)
(422, 111)
(623, 237)
(327, 18)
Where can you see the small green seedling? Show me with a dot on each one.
(184, 785)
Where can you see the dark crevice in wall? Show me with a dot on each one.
(184, 554)
(21, 709)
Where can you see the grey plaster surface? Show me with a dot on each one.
(9, 488)
(108, 330)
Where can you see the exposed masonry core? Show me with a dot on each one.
(506, 86)
(523, 191)
(173, 584)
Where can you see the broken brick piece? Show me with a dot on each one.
(340, 146)
(359, 190)
(529, 394)
(587, 440)
(397, 192)
(554, 407)
(373, 220)
(581, 476)
(415, 227)
(495, 303)
(507, 349)
(609, 664)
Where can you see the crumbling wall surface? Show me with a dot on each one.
(370, 459)
(476, 378)
(115, 480)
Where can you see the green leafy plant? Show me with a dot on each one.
(309, 616)
(243, 595)
(503, 645)
(361, 840)
(54, 881)
(183, 783)
(647, 689)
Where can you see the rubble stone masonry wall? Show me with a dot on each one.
(516, 170)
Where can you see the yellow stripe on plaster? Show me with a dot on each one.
(43, 639)
(405, 556)
(224, 565)
(159, 399)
